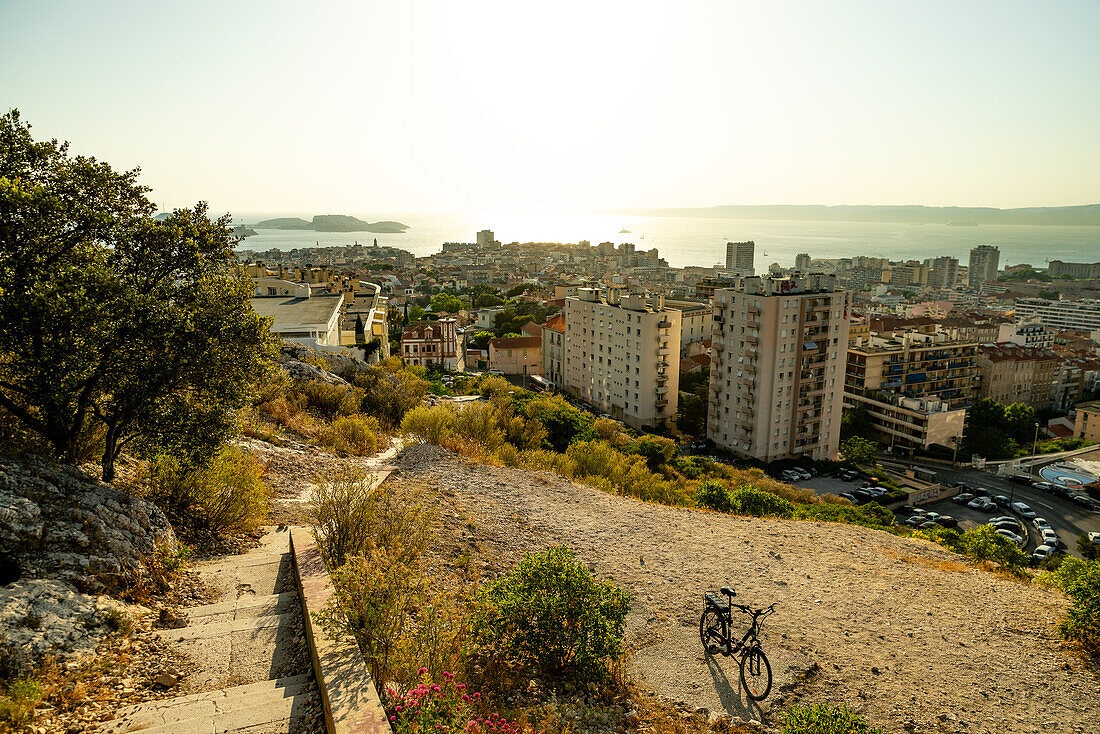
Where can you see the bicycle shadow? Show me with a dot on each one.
(730, 697)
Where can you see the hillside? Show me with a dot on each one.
(903, 631)
(333, 223)
(1088, 215)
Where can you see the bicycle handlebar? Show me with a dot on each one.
(756, 612)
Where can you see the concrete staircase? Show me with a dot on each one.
(254, 673)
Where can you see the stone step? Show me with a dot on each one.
(246, 606)
(252, 716)
(207, 630)
(156, 713)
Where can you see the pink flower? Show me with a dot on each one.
(397, 708)
(393, 718)
(422, 671)
(461, 686)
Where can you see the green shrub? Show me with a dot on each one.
(713, 494)
(479, 422)
(224, 496)
(1080, 580)
(430, 425)
(389, 390)
(550, 616)
(355, 434)
(329, 400)
(748, 500)
(870, 515)
(980, 544)
(18, 700)
(825, 719)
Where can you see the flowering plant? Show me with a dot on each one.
(432, 707)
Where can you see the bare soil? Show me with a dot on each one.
(906, 633)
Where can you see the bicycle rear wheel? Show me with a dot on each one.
(756, 674)
(712, 630)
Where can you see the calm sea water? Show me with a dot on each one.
(685, 241)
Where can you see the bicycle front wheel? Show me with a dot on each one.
(712, 630)
(756, 674)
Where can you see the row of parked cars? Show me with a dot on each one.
(922, 519)
(1078, 498)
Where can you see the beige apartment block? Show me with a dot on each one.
(915, 365)
(910, 423)
(777, 371)
(1086, 423)
(623, 356)
(1015, 374)
(553, 351)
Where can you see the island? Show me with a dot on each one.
(333, 223)
(242, 231)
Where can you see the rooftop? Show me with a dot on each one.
(296, 313)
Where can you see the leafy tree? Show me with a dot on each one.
(111, 320)
(1080, 580)
(487, 300)
(1089, 551)
(480, 340)
(520, 288)
(563, 422)
(859, 450)
(1051, 294)
(691, 418)
(856, 421)
(446, 303)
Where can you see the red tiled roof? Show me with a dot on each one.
(557, 323)
(516, 342)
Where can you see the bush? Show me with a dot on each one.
(17, 702)
(479, 422)
(980, 544)
(748, 500)
(713, 494)
(224, 496)
(1080, 581)
(825, 719)
(430, 425)
(389, 390)
(552, 617)
(431, 707)
(355, 434)
(329, 400)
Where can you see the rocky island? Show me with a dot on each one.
(333, 223)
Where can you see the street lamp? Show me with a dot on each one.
(1035, 440)
(955, 453)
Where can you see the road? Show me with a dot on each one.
(1067, 519)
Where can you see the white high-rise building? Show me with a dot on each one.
(777, 367)
(802, 262)
(984, 260)
(944, 273)
(740, 257)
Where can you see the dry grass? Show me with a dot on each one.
(938, 564)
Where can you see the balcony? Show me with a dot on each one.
(664, 324)
(752, 340)
(663, 351)
(660, 390)
(661, 403)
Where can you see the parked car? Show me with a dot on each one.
(916, 520)
(927, 525)
(802, 473)
(983, 492)
(1012, 526)
(1094, 538)
(907, 509)
(1011, 536)
(981, 503)
(1040, 523)
(1023, 510)
(1042, 553)
(1001, 518)
(1085, 501)
(1050, 537)
(849, 475)
(962, 498)
(1045, 486)
(1002, 500)
(1020, 478)
(947, 521)
(933, 516)
(790, 476)
(849, 496)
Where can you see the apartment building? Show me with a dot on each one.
(1077, 315)
(802, 262)
(1058, 269)
(553, 351)
(696, 321)
(909, 274)
(777, 370)
(516, 355)
(622, 355)
(915, 386)
(1086, 422)
(944, 273)
(1013, 374)
(740, 257)
(984, 261)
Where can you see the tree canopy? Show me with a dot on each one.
(114, 325)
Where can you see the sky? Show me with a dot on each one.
(408, 106)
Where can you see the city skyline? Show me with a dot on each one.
(441, 107)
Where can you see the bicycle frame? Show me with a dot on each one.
(752, 633)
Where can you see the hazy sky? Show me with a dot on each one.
(379, 107)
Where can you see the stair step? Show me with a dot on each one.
(246, 606)
(266, 686)
(251, 715)
(219, 629)
(211, 705)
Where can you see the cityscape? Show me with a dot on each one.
(420, 367)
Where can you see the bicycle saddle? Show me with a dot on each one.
(728, 591)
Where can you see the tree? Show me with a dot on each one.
(111, 320)
(446, 303)
(859, 450)
(360, 331)
(856, 421)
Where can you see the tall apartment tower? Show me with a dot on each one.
(777, 373)
(984, 260)
(944, 273)
(622, 355)
(740, 257)
(802, 262)
(485, 238)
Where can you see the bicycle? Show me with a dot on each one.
(715, 632)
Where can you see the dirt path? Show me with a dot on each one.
(898, 629)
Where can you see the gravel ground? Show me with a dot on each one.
(901, 630)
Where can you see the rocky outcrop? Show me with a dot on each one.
(292, 355)
(58, 523)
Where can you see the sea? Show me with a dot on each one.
(684, 241)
